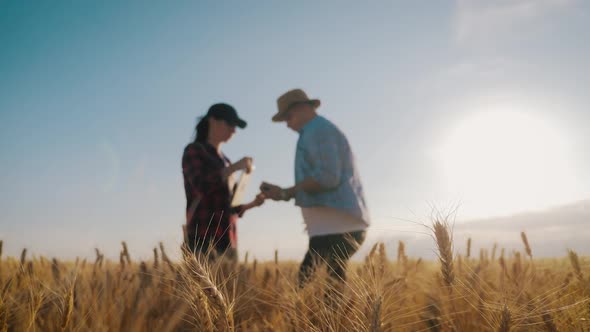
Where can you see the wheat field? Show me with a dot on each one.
(496, 291)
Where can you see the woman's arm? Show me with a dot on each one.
(258, 201)
(245, 163)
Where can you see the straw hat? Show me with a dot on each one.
(290, 99)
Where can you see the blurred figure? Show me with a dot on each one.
(327, 187)
(208, 184)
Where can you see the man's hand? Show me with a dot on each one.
(272, 191)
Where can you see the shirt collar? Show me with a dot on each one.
(310, 124)
(213, 151)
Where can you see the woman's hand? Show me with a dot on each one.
(258, 201)
(260, 198)
(246, 163)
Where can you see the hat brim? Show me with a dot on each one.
(280, 116)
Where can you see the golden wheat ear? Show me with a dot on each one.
(527, 246)
(444, 244)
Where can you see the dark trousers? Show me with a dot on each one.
(333, 250)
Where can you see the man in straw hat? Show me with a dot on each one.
(327, 187)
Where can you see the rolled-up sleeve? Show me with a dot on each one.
(324, 157)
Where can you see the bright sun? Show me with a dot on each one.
(501, 162)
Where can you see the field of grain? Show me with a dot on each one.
(495, 291)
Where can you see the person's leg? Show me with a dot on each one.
(228, 257)
(334, 250)
(230, 254)
(311, 260)
(342, 247)
(194, 246)
(202, 248)
(189, 242)
(226, 262)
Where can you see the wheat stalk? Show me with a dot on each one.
(156, 263)
(99, 258)
(55, 271)
(432, 314)
(23, 257)
(30, 268)
(277, 272)
(4, 309)
(527, 247)
(69, 306)
(494, 249)
(376, 315)
(575, 261)
(165, 258)
(126, 253)
(548, 320)
(505, 320)
(401, 251)
(445, 251)
(197, 271)
(122, 260)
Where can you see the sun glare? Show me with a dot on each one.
(500, 162)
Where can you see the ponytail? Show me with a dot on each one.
(202, 130)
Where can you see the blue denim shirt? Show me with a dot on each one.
(324, 154)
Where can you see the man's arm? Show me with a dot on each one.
(325, 161)
(325, 174)
(309, 185)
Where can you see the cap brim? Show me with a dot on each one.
(240, 123)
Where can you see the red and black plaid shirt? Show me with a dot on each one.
(214, 220)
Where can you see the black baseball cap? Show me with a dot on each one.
(222, 111)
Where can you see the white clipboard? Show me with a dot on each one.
(240, 188)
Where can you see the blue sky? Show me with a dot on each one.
(98, 100)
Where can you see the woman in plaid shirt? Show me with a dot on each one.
(211, 220)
